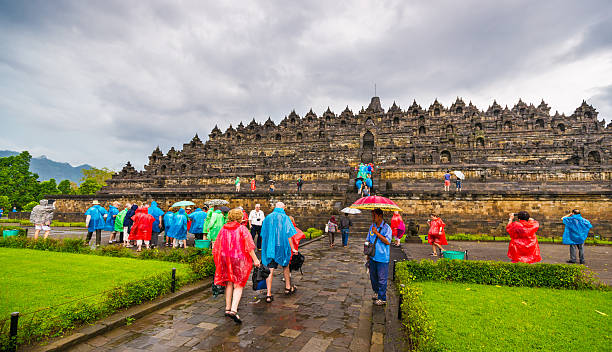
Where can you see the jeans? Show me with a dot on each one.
(98, 236)
(580, 252)
(331, 235)
(345, 233)
(154, 237)
(379, 273)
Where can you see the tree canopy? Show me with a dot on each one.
(98, 175)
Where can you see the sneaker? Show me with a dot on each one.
(582, 262)
(380, 302)
(570, 262)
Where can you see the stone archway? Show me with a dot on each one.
(367, 147)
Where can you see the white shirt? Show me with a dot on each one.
(256, 217)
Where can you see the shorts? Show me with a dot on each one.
(42, 227)
(446, 183)
(272, 264)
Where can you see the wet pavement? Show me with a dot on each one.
(325, 314)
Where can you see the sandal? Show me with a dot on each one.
(227, 313)
(269, 299)
(433, 254)
(235, 317)
(290, 291)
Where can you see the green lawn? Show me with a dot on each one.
(468, 317)
(32, 279)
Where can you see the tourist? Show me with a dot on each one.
(158, 215)
(168, 222)
(271, 186)
(127, 224)
(198, 217)
(94, 221)
(234, 258)
(436, 236)
(523, 245)
(14, 209)
(345, 228)
(179, 225)
(237, 183)
(295, 239)
(447, 178)
(1, 212)
(215, 224)
(359, 184)
(366, 191)
(41, 216)
(253, 185)
(369, 183)
(331, 228)
(118, 227)
(458, 184)
(256, 217)
(380, 235)
(576, 231)
(300, 183)
(276, 250)
(110, 221)
(124, 236)
(397, 226)
(142, 227)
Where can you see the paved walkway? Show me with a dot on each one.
(329, 312)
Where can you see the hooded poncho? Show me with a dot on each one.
(119, 220)
(433, 236)
(143, 225)
(295, 239)
(96, 222)
(276, 230)
(109, 225)
(179, 225)
(231, 254)
(396, 223)
(198, 217)
(127, 222)
(168, 223)
(576, 229)
(523, 245)
(156, 213)
(215, 224)
(42, 213)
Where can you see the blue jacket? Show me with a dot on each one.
(276, 230)
(96, 222)
(155, 212)
(197, 221)
(576, 229)
(110, 219)
(382, 250)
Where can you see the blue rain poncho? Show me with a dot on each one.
(576, 229)
(276, 231)
(179, 226)
(197, 221)
(169, 223)
(368, 182)
(155, 212)
(110, 219)
(97, 218)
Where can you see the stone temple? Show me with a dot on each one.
(519, 158)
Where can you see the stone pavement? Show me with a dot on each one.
(331, 311)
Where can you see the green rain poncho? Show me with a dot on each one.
(119, 220)
(215, 224)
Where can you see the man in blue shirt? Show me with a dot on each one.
(380, 235)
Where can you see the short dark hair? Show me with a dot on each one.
(523, 215)
(378, 212)
(576, 211)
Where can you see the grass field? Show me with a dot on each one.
(32, 279)
(468, 317)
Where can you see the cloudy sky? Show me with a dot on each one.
(104, 82)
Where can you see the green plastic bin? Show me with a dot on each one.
(9, 233)
(202, 244)
(454, 255)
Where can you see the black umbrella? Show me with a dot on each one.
(224, 209)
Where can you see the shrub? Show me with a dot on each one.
(501, 273)
(312, 232)
(203, 266)
(30, 206)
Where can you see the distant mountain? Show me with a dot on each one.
(48, 169)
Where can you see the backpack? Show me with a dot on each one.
(296, 262)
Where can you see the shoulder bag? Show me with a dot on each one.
(369, 248)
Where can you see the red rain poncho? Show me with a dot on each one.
(295, 239)
(436, 232)
(523, 241)
(231, 254)
(143, 225)
(396, 222)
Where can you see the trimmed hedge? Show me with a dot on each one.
(58, 320)
(500, 273)
(54, 223)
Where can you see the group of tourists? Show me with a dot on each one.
(272, 187)
(447, 181)
(364, 182)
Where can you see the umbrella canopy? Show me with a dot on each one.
(215, 202)
(224, 209)
(183, 203)
(375, 202)
(459, 174)
(349, 210)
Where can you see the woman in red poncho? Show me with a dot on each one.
(234, 255)
(436, 236)
(295, 239)
(397, 228)
(142, 228)
(523, 245)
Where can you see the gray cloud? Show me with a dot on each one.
(104, 82)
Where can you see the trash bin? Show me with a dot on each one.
(9, 233)
(454, 255)
(202, 243)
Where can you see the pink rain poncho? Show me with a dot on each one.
(523, 245)
(143, 225)
(231, 254)
(436, 232)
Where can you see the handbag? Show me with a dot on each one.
(369, 248)
(327, 228)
